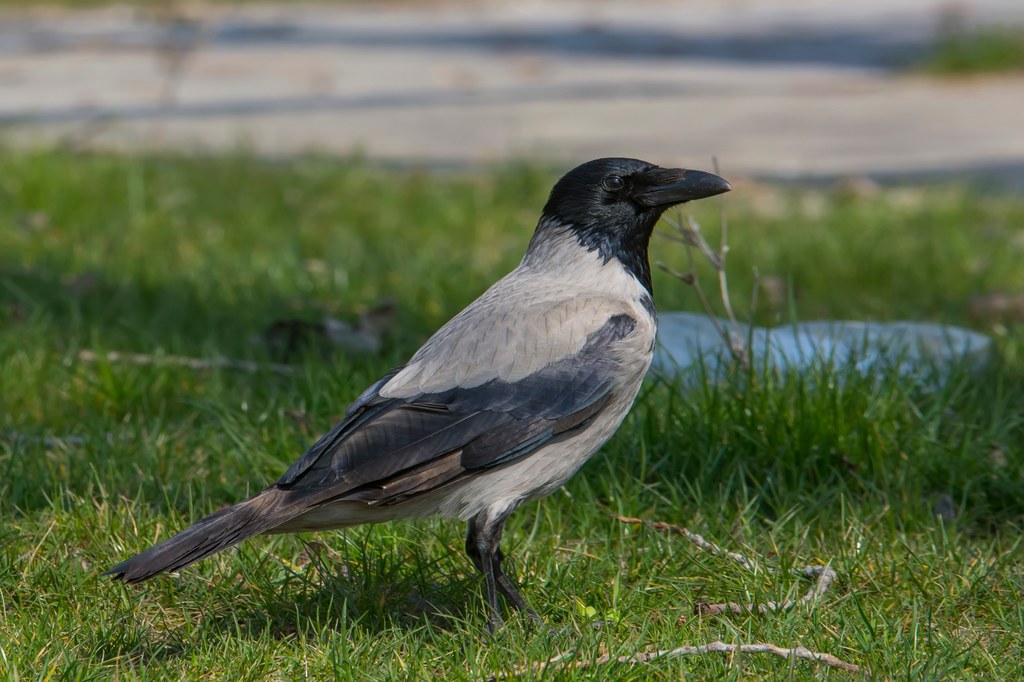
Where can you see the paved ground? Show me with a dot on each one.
(789, 88)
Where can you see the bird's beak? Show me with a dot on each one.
(671, 186)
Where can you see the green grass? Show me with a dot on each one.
(196, 256)
(977, 51)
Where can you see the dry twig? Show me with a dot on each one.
(824, 576)
(182, 361)
(696, 539)
(562, 660)
(688, 233)
(48, 442)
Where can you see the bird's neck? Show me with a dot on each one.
(557, 244)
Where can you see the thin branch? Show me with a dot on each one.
(182, 361)
(561, 661)
(696, 539)
(688, 233)
(824, 576)
(680, 236)
(723, 283)
(48, 442)
(717, 259)
(685, 278)
(692, 280)
(693, 230)
(690, 239)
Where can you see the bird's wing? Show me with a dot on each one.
(388, 449)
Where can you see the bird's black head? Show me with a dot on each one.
(612, 206)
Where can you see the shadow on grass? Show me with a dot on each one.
(361, 592)
(110, 312)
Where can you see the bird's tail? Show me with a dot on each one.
(212, 534)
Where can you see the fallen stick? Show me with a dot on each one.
(183, 361)
(48, 442)
(696, 539)
(562, 660)
(824, 576)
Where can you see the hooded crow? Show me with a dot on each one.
(499, 407)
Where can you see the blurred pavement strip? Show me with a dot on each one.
(788, 88)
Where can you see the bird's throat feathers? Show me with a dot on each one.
(556, 243)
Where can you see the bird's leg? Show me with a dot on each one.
(479, 553)
(483, 538)
(507, 587)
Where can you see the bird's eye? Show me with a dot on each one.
(613, 183)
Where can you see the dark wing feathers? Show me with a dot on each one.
(517, 438)
(364, 409)
(410, 482)
(388, 449)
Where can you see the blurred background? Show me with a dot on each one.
(791, 89)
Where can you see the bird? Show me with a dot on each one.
(502, 405)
